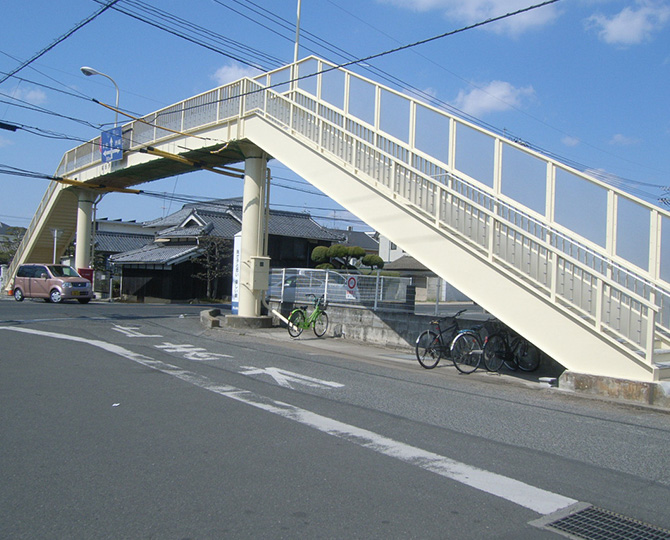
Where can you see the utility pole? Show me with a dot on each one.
(297, 34)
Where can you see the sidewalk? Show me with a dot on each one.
(654, 396)
(362, 351)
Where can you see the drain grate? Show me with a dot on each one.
(592, 523)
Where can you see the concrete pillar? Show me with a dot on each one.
(253, 226)
(82, 253)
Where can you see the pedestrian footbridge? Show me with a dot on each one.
(580, 268)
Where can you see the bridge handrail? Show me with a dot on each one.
(651, 305)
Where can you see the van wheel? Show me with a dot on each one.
(18, 295)
(55, 296)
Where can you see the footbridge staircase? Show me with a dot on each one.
(580, 268)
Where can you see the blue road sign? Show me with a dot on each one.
(111, 145)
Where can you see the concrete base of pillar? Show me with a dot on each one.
(212, 318)
(644, 393)
(237, 321)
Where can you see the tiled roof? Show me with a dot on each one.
(115, 242)
(406, 263)
(220, 205)
(298, 225)
(358, 238)
(186, 232)
(226, 216)
(224, 224)
(157, 254)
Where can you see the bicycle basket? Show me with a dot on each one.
(322, 303)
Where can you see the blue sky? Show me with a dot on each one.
(586, 80)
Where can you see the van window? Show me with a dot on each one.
(63, 271)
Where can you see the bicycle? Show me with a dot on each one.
(318, 319)
(462, 346)
(504, 347)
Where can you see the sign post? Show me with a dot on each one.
(237, 254)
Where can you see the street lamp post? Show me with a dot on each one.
(88, 71)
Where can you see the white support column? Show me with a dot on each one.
(253, 230)
(82, 254)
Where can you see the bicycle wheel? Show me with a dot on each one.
(466, 352)
(428, 349)
(495, 352)
(321, 324)
(295, 322)
(526, 356)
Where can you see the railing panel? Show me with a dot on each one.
(475, 154)
(394, 115)
(144, 132)
(633, 232)
(170, 118)
(432, 133)
(332, 88)
(362, 99)
(517, 168)
(664, 249)
(229, 100)
(201, 110)
(581, 206)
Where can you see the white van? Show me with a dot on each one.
(52, 282)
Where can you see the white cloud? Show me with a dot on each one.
(622, 140)
(4, 142)
(568, 140)
(495, 97)
(474, 11)
(32, 96)
(633, 25)
(233, 72)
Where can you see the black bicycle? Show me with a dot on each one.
(433, 344)
(505, 347)
(446, 340)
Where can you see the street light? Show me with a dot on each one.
(88, 71)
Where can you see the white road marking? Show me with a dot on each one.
(132, 331)
(191, 352)
(285, 378)
(539, 500)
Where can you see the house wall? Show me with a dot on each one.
(388, 251)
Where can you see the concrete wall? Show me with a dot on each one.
(388, 328)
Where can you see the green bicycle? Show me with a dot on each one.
(318, 319)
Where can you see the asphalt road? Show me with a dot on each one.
(133, 421)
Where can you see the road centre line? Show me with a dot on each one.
(539, 500)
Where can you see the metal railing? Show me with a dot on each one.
(591, 285)
(375, 291)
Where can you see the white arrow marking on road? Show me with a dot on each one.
(284, 378)
(191, 352)
(132, 331)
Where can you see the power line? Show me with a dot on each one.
(60, 39)
(198, 35)
(29, 106)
